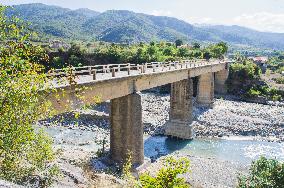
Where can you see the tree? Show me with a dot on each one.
(196, 45)
(24, 151)
(178, 42)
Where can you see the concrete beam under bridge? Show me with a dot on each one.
(205, 89)
(126, 134)
(220, 81)
(180, 121)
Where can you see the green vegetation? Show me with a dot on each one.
(276, 63)
(264, 91)
(128, 27)
(264, 173)
(25, 152)
(244, 79)
(141, 53)
(168, 176)
(279, 80)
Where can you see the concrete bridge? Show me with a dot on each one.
(120, 84)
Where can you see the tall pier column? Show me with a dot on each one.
(205, 89)
(126, 133)
(220, 81)
(180, 121)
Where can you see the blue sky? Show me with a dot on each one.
(264, 15)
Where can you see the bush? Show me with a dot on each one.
(264, 173)
(279, 80)
(169, 176)
(253, 93)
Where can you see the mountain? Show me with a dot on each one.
(129, 27)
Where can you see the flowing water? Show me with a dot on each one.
(235, 149)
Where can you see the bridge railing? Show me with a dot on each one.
(139, 68)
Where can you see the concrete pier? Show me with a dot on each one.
(180, 121)
(220, 81)
(126, 135)
(205, 89)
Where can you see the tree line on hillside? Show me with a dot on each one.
(140, 53)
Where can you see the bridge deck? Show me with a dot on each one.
(115, 82)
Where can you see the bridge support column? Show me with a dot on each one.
(180, 121)
(220, 81)
(127, 129)
(205, 89)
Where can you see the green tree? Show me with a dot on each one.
(196, 45)
(178, 42)
(24, 150)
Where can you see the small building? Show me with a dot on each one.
(56, 44)
(188, 46)
(261, 61)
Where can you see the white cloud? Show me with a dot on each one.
(200, 20)
(161, 13)
(263, 21)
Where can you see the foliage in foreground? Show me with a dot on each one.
(264, 173)
(25, 152)
(169, 176)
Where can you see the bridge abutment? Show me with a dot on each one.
(180, 121)
(205, 89)
(126, 135)
(220, 81)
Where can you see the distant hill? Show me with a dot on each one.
(124, 26)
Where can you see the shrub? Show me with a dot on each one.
(264, 173)
(253, 93)
(279, 80)
(169, 176)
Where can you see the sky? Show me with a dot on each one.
(262, 15)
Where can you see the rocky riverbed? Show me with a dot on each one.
(228, 117)
(79, 139)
